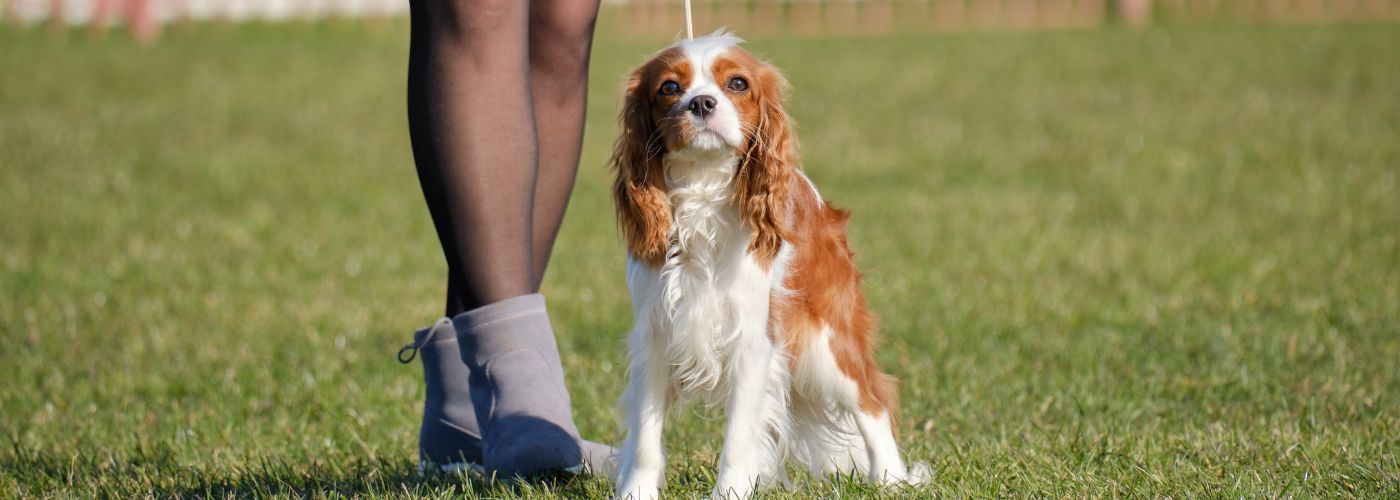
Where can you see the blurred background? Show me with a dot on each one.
(1118, 247)
(756, 17)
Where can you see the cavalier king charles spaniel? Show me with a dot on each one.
(744, 292)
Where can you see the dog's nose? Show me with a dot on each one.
(703, 105)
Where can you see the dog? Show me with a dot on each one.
(744, 291)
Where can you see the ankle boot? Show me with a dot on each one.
(449, 438)
(517, 386)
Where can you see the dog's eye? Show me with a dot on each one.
(670, 88)
(738, 84)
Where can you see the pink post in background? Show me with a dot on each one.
(56, 17)
(101, 17)
(141, 19)
(139, 16)
(1135, 13)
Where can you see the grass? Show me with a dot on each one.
(1108, 263)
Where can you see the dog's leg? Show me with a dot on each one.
(647, 400)
(826, 439)
(838, 434)
(755, 411)
(886, 466)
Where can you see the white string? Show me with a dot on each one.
(689, 26)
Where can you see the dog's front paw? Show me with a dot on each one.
(638, 490)
(638, 484)
(731, 487)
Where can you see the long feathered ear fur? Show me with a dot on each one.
(639, 190)
(766, 171)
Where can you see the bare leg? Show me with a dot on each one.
(561, 34)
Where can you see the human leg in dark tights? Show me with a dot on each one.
(561, 34)
(496, 94)
(473, 131)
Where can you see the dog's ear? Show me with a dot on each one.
(767, 168)
(639, 190)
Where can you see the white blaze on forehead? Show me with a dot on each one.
(701, 52)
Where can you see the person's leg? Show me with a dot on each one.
(473, 135)
(561, 35)
(471, 123)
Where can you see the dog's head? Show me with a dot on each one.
(702, 98)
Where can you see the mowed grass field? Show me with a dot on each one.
(1107, 262)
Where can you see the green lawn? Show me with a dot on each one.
(1107, 262)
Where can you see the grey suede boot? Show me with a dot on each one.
(517, 387)
(450, 438)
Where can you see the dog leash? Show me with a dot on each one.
(689, 24)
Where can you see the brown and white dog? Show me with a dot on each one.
(744, 292)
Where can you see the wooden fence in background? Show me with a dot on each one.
(662, 18)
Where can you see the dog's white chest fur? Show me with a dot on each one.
(709, 287)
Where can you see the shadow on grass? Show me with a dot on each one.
(158, 472)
